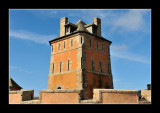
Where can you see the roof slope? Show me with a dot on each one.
(80, 25)
(13, 84)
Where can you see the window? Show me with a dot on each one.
(64, 44)
(59, 88)
(53, 68)
(59, 45)
(67, 29)
(60, 68)
(92, 65)
(90, 43)
(108, 49)
(52, 48)
(71, 42)
(95, 30)
(100, 66)
(81, 40)
(108, 68)
(81, 62)
(102, 46)
(97, 45)
(68, 65)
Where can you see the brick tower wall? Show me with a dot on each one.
(95, 78)
(66, 79)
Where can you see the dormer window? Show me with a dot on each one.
(67, 30)
(94, 30)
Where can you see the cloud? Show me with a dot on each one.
(120, 51)
(119, 19)
(132, 20)
(20, 69)
(27, 35)
(130, 56)
(121, 47)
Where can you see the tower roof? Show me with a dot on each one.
(80, 26)
(13, 84)
(80, 21)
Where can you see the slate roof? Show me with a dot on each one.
(80, 26)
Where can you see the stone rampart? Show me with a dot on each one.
(60, 96)
(16, 97)
(115, 96)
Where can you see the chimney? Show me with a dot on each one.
(63, 21)
(149, 86)
(97, 21)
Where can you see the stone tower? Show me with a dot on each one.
(80, 58)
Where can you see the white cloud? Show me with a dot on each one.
(27, 35)
(133, 20)
(130, 56)
(20, 69)
(121, 47)
(125, 19)
(121, 51)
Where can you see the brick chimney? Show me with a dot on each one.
(97, 21)
(63, 21)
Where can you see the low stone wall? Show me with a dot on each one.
(16, 97)
(115, 96)
(60, 96)
(146, 94)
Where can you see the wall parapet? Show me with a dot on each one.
(16, 97)
(60, 90)
(119, 96)
(60, 96)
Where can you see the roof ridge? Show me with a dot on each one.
(81, 22)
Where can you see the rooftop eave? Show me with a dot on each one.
(78, 32)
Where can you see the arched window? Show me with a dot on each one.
(52, 48)
(59, 88)
(71, 42)
(64, 44)
(97, 45)
(68, 65)
(102, 46)
(53, 68)
(100, 66)
(108, 68)
(81, 40)
(59, 45)
(60, 67)
(92, 65)
(90, 43)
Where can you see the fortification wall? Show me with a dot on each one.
(115, 96)
(16, 97)
(74, 96)
(62, 96)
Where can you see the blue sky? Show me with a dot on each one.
(128, 29)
